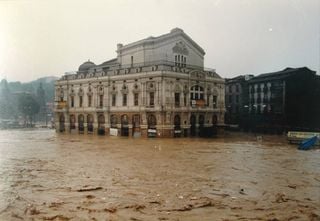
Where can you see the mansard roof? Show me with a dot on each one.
(152, 40)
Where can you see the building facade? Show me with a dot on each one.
(156, 87)
(237, 99)
(284, 100)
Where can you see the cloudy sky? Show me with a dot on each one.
(49, 37)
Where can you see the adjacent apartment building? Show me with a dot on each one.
(278, 101)
(155, 87)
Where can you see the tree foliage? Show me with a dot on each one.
(28, 106)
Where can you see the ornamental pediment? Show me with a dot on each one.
(177, 88)
(136, 88)
(151, 86)
(80, 92)
(124, 89)
(180, 48)
(197, 74)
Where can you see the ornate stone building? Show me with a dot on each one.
(156, 87)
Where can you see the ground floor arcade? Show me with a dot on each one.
(137, 124)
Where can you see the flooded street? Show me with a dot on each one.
(49, 176)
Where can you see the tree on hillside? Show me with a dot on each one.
(6, 107)
(28, 107)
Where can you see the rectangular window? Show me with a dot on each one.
(124, 100)
(214, 101)
(237, 88)
(151, 99)
(136, 99)
(72, 101)
(131, 61)
(80, 101)
(101, 101)
(185, 99)
(113, 100)
(61, 98)
(237, 98)
(89, 100)
(230, 98)
(177, 99)
(181, 60)
(208, 100)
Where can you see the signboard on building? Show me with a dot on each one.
(62, 104)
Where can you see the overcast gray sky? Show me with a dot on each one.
(41, 37)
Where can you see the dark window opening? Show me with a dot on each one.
(136, 99)
(101, 101)
(72, 101)
(124, 100)
(151, 99)
(177, 99)
(113, 100)
(80, 101)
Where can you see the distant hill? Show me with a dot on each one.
(32, 86)
(9, 90)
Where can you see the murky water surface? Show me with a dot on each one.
(49, 176)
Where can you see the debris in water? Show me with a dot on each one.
(292, 186)
(90, 189)
(242, 192)
(111, 210)
(280, 198)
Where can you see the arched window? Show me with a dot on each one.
(152, 121)
(90, 123)
(72, 122)
(196, 93)
(114, 121)
(80, 122)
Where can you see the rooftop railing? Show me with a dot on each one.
(118, 69)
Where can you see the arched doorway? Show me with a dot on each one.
(177, 126)
(124, 125)
(152, 125)
(101, 121)
(214, 124)
(202, 132)
(193, 125)
(113, 125)
(61, 123)
(214, 119)
(72, 122)
(81, 123)
(136, 126)
(90, 123)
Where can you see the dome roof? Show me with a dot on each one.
(86, 65)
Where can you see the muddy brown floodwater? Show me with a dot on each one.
(49, 176)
